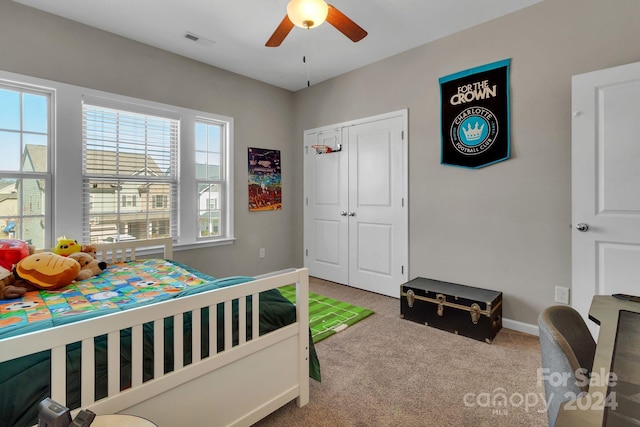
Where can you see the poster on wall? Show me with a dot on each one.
(475, 116)
(265, 186)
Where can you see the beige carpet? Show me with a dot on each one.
(387, 371)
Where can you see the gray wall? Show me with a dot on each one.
(46, 46)
(506, 226)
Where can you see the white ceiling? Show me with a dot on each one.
(238, 29)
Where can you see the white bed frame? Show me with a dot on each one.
(235, 387)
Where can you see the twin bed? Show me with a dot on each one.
(158, 339)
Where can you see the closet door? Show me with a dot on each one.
(355, 213)
(326, 202)
(377, 226)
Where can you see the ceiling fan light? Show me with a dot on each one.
(307, 13)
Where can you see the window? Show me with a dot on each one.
(128, 154)
(124, 167)
(126, 200)
(160, 201)
(209, 172)
(25, 172)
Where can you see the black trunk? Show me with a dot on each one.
(464, 310)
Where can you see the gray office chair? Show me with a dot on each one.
(566, 345)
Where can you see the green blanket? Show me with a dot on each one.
(24, 382)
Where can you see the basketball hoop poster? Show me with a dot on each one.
(475, 116)
(265, 185)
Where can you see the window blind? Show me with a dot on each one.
(129, 156)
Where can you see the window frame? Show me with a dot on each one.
(113, 114)
(66, 215)
(224, 147)
(46, 176)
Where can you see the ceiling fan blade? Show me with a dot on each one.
(345, 25)
(280, 33)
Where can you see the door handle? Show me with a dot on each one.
(343, 213)
(351, 213)
(582, 227)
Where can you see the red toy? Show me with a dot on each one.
(12, 251)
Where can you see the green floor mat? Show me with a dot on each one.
(326, 315)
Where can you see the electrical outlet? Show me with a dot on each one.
(562, 295)
(263, 252)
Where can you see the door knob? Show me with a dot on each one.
(582, 227)
(351, 213)
(343, 213)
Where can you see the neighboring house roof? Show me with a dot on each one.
(106, 162)
(98, 162)
(6, 196)
(7, 189)
(101, 161)
(35, 158)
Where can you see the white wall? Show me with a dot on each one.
(42, 45)
(506, 226)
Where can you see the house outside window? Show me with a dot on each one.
(210, 141)
(118, 167)
(25, 167)
(129, 155)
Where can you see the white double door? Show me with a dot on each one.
(605, 185)
(355, 213)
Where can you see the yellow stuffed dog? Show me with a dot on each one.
(89, 266)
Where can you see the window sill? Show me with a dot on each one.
(185, 247)
(203, 244)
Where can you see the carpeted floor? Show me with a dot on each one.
(387, 371)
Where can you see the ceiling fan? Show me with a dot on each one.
(311, 13)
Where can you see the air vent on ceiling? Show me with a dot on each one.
(192, 37)
(198, 39)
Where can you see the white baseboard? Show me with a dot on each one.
(527, 328)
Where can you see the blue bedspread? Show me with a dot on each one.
(120, 287)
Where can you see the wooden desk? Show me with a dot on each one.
(605, 311)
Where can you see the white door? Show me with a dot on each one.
(377, 230)
(605, 185)
(355, 220)
(326, 224)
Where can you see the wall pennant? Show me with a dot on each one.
(475, 116)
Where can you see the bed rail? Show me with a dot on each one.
(126, 251)
(139, 397)
(57, 338)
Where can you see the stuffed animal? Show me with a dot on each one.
(89, 266)
(12, 251)
(7, 288)
(66, 246)
(47, 270)
(91, 250)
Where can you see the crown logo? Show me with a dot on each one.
(473, 134)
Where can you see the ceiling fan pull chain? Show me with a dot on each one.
(304, 58)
